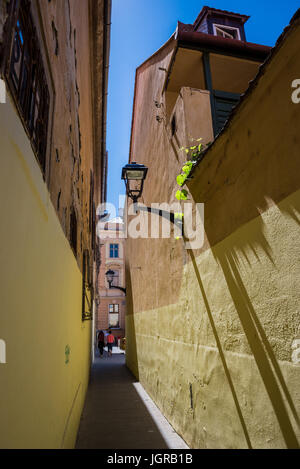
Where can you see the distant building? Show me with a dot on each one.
(112, 302)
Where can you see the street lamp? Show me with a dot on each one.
(110, 275)
(134, 175)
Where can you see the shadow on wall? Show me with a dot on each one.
(131, 348)
(261, 349)
(292, 210)
(219, 345)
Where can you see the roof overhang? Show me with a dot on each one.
(191, 45)
(216, 44)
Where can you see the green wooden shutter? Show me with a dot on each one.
(224, 102)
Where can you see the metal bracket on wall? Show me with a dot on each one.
(161, 213)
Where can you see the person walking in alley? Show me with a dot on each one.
(110, 342)
(101, 343)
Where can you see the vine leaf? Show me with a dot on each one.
(181, 179)
(181, 195)
(187, 167)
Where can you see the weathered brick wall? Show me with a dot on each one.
(67, 31)
(74, 167)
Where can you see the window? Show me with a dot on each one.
(24, 72)
(226, 31)
(113, 250)
(114, 316)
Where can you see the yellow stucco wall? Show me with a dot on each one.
(230, 337)
(211, 333)
(41, 287)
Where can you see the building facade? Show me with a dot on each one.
(112, 305)
(54, 62)
(212, 331)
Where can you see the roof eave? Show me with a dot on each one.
(219, 44)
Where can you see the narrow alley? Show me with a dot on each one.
(118, 414)
(149, 241)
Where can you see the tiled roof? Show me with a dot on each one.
(185, 27)
(207, 9)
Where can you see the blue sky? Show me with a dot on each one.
(139, 28)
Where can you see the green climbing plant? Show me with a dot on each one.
(193, 154)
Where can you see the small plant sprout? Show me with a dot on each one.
(193, 154)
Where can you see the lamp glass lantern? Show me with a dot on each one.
(134, 175)
(110, 277)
